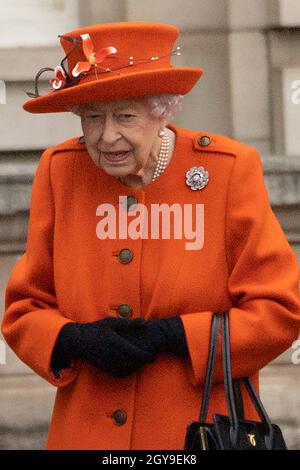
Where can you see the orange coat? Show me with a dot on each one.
(68, 274)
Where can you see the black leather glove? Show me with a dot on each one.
(101, 344)
(165, 335)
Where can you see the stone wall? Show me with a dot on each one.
(250, 55)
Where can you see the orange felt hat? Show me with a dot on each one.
(114, 61)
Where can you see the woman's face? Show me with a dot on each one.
(112, 128)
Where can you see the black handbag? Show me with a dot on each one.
(230, 432)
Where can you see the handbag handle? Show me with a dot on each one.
(231, 406)
(229, 383)
(210, 366)
(269, 437)
(215, 326)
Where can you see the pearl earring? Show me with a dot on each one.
(161, 133)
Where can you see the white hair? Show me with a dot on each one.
(165, 106)
(161, 106)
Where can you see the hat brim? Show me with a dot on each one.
(174, 80)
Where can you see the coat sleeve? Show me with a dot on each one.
(32, 320)
(263, 281)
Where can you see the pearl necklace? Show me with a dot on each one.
(162, 157)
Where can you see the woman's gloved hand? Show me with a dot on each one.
(102, 344)
(165, 335)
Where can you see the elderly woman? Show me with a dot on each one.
(104, 305)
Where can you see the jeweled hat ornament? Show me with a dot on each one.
(113, 61)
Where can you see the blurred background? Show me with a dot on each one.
(250, 90)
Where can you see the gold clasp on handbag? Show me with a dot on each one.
(252, 439)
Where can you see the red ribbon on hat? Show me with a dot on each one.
(59, 80)
(93, 58)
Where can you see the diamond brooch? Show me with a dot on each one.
(197, 178)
